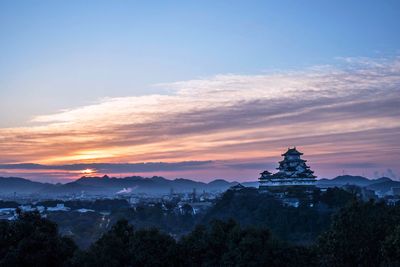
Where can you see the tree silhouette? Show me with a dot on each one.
(123, 246)
(357, 233)
(33, 241)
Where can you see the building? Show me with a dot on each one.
(83, 210)
(58, 207)
(293, 183)
(292, 171)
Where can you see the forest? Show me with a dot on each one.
(242, 229)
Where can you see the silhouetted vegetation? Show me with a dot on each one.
(360, 234)
(228, 244)
(33, 241)
(249, 208)
(83, 228)
(165, 218)
(336, 197)
(123, 246)
(8, 204)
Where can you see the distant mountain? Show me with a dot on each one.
(153, 185)
(220, 183)
(110, 186)
(384, 187)
(10, 185)
(383, 184)
(158, 185)
(353, 180)
(338, 181)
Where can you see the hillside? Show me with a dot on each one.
(384, 187)
(10, 185)
(159, 185)
(110, 186)
(349, 179)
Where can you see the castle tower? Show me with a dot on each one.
(292, 172)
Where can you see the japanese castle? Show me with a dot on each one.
(292, 172)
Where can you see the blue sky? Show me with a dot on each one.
(63, 54)
(224, 85)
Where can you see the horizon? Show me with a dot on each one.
(199, 91)
(180, 178)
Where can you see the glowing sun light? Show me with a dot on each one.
(88, 171)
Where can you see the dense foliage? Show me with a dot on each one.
(360, 234)
(85, 228)
(296, 225)
(33, 241)
(228, 244)
(220, 244)
(123, 246)
(335, 197)
(249, 208)
(8, 204)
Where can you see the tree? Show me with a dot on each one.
(33, 241)
(357, 233)
(228, 244)
(391, 248)
(152, 248)
(123, 246)
(336, 197)
(251, 208)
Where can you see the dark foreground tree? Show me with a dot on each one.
(33, 241)
(123, 246)
(300, 225)
(219, 244)
(227, 244)
(391, 248)
(357, 234)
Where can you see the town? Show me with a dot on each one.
(293, 185)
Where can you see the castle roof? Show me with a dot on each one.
(292, 151)
(285, 160)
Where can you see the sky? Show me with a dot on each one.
(198, 89)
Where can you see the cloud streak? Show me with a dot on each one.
(329, 110)
(112, 167)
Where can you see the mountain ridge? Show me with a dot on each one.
(160, 185)
(110, 185)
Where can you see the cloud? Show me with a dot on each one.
(350, 108)
(113, 167)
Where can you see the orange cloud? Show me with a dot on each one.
(352, 110)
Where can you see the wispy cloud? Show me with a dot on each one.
(113, 167)
(331, 110)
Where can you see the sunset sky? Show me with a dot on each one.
(198, 89)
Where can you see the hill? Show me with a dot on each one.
(350, 179)
(10, 185)
(384, 187)
(110, 186)
(158, 185)
(250, 208)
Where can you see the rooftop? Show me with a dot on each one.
(292, 151)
